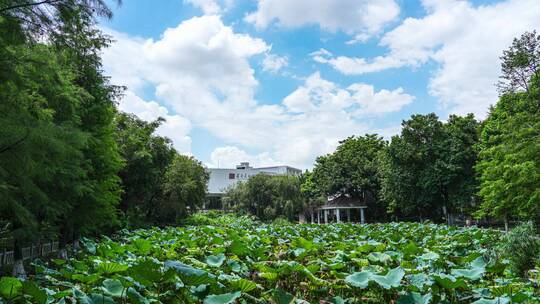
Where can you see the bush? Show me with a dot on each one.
(523, 248)
(217, 218)
(281, 221)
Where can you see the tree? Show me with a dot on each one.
(146, 157)
(509, 165)
(40, 143)
(519, 63)
(427, 171)
(59, 161)
(509, 162)
(352, 170)
(311, 194)
(267, 197)
(184, 190)
(460, 155)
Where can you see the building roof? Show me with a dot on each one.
(344, 202)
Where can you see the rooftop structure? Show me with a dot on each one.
(223, 178)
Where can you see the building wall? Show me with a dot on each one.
(221, 179)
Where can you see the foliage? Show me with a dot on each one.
(519, 63)
(260, 263)
(58, 159)
(217, 218)
(428, 170)
(524, 246)
(352, 170)
(147, 157)
(184, 190)
(509, 164)
(267, 197)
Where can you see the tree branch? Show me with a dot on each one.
(13, 145)
(28, 4)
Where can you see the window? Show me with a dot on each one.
(231, 175)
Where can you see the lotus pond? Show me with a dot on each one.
(245, 261)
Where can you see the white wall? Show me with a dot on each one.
(220, 181)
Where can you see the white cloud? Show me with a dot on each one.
(230, 156)
(361, 18)
(175, 127)
(211, 7)
(200, 69)
(356, 66)
(465, 40)
(273, 63)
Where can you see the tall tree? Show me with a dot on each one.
(268, 197)
(460, 154)
(412, 169)
(352, 170)
(519, 63)
(40, 139)
(509, 163)
(58, 112)
(428, 170)
(509, 166)
(146, 157)
(184, 190)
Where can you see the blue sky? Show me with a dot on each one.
(281, 82)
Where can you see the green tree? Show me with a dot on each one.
(184, 190)
(59, 160)
(267, 197)
(459, 156)
(509, 166)
(352, 170)
(509, 162)
(146, 158)
(519, 63)
(311, 194)
(428, 170)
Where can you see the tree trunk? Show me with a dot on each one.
(65, 236)
(18, 265)
(506, 223)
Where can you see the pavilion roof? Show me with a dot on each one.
(344, 202)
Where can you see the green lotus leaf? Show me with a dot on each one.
(282, 297)
(135, 297)
(113, 287)
(391, 279)
(188, 274)
(239, 248)
(215, 260)
(410, 249)
(31, 289)
(379, 257)
(225, 298)
(146, 272)
(449, 281)
(10, 287)
(101, 299)
(430, 256)
(471, 274)
(244, 285)
(111, 267)
(419, 280)
(142, 246)
(359, 279)
(499, 300)
(414, 298)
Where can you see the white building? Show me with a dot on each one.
(222, 179)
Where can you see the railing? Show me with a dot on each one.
(7, 257)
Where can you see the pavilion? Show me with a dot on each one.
(340, 209)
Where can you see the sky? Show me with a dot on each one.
(277, 82)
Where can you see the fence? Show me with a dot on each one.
(31, 252)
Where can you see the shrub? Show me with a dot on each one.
(523, 248)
